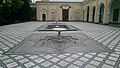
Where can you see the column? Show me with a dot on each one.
(90, 12)
(38, 12)
(106, 21)
(85, 14)
(60, 14)
(70, 14)
(96, 13)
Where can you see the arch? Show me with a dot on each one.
(77, 14)
(53, 14)
(109, 5)
(53, 10)
(44, 10)
(114, 11)
(93, 13)
(44, 14)
(101, 12)
(88, 9)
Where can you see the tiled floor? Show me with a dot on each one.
(109, 36)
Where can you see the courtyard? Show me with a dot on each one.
(108, 36)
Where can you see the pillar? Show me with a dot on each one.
(90, 12)
(106, 15)
(96, 13)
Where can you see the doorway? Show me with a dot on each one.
(65, 14)
(44, 17)
(101, 13)
(88, 14)
(93, 14)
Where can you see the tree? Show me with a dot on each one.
(25, 11)
(15, 8)
(1, 1)
(15, 11)
(6, 10)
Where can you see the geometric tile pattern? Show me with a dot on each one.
(109, 36)
(34, 45)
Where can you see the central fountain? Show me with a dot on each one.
(58, 27)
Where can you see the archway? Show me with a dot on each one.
(53, 15)
(43, 17)
(101, 12)
(44, 14)
(114, 11)
(93, 14)
(77, 15)
(88, 8)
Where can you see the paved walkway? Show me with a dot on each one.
(109, 36)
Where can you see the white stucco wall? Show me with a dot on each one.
(107, 17)
(57, 6)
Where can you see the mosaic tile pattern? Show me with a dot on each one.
(109, 36)
(72, 43)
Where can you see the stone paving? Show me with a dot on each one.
(11, 35)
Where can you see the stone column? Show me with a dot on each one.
(85, 14)
(38, 12)
(90, 12)
(60, 13)
(105, 20)
(70, 14)
(96, 13)
(57, 12)
(48, 13)
(82, 15)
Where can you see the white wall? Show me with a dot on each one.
(57, 6)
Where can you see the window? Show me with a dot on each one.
(115, 14)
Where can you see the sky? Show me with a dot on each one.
(63, 0)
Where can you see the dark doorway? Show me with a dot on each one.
(101, 13)
(65, 14)
(44, 17)
(115, 14)
(87, 13)
(93, 14)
